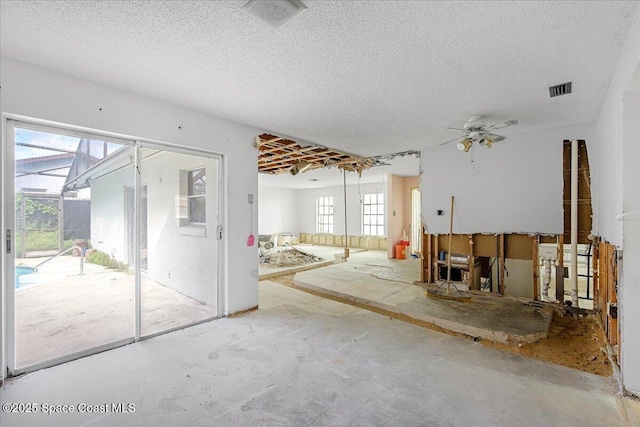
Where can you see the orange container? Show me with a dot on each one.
(400, 251)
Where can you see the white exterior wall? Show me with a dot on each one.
(513, 187)
(177, 259)
(109, 213)
(279, 211)
(618, 145)
(35, 92)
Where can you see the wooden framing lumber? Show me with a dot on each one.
(472, 265)
(536, 268)
(277, 155)
(594, 268)
(502, 258)
(436, 272)
(560, 270)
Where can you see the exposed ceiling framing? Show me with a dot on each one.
(278, 155)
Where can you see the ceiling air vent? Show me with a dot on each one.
(557, 90)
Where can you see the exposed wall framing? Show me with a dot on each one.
(605, 288)
(278, 155)
(501, 246)
(585, 212)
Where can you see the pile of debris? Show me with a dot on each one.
(288, 258)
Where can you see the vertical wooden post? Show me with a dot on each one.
(594, 273)
(612, 294)
(436, 273)
(536, 268)
(472, 265)
(603, 285)
(560, 271)
(502, 258)
(427, 257)
(449, 250)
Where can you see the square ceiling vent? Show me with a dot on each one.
(558, 90)
(274, 13)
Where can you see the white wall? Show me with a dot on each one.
(182, 257)
(278, 210)
(108, 213)
(630, 286)
(395, 212)
(307, 202)
(618, 141)
(609, 135)
(42, 94)
(513, 187)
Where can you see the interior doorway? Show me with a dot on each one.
(416, 221)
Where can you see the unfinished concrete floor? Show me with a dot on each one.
(373, 281)
(302, 360)
(77, 312)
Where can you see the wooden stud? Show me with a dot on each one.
(560, 270)
(502, 258)
(594, 272)
(295, 154)
(449, 250)
(472, 265)
(536, 268)
(436, 273)
(427, 260)
(604, 282)
(612, 297)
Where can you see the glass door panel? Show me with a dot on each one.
(179, 246)
(74, 287)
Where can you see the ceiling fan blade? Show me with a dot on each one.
(503, 124)
(497, 138)
(451, 140)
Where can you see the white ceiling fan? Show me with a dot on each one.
(476, 130)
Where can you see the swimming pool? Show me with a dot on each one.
(21, 271)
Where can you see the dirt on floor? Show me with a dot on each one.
(574, 342)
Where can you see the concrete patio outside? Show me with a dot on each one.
(72, 312)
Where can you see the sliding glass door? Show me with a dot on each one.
(108, 241)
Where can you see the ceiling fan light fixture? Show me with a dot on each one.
(486, 141)
(464, 145)
(274, 13)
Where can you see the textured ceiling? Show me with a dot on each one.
(367, 78)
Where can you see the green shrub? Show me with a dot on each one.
(106, 260)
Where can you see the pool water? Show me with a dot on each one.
(21, 271)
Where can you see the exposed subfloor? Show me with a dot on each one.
(68, 314)
(304, 360)
(373, 281)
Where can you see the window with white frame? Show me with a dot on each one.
(324, 214)
(197, 195)
(373, 214)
